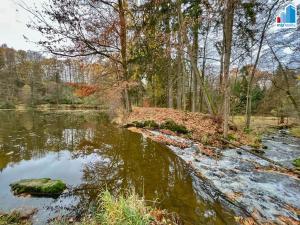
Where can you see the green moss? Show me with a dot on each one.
(146, 124)
(138, 124)
(44, 186)
(168, 125)
(151, 124)
(172, 126)
(296, 163)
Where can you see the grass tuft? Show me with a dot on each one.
(124, 210)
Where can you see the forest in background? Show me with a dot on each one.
(217, 57)
(31, 79)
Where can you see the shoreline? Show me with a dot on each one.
(49, 107)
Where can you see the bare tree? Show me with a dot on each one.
(228, 28)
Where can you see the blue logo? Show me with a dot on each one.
(287, 18)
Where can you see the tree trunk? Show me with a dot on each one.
(170, 92)
(203, 68)
(249, 87)
(228, 27)
(221, 68)
(179, 59)
(195, 69)
(184, 75)
(122, 4)
(194, 97)
(179, 82)
(169, 70)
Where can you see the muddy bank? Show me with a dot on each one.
(258, 192)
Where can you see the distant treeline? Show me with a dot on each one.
(30, 78)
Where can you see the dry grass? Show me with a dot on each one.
(265, 124)
(259, 124)
(295, 131)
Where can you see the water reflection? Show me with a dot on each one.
(90, 154)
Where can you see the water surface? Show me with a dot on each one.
(90, 154)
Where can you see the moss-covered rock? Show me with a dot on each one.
(171, 125)
(138, 124)
(146, 124)
(151, 124)
(40, 187)
(296, 163)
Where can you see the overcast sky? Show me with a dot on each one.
(13, 20)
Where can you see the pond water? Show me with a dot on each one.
(90, 154)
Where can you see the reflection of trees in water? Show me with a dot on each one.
(143, 165)
(149, 168)
(33, 134)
